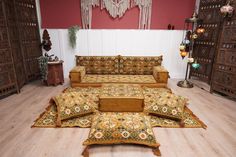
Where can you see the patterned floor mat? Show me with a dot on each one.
(48, 120)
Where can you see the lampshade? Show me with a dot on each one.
(186, 41)
(183, 54)
(195, 65)
(194, 36)
(182, 47)
(190, 60)
(200, 30)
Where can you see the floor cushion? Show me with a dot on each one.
(120, 128)
(72, 104)
(99, 64)
(150, 92)
(165, 104)
(91, 93)
(141, 65)
(118, 79)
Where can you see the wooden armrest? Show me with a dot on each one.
(160, 74)
(77, 74)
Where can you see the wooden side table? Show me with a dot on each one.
(55, 73)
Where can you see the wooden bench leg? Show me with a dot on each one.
(85, 153)
(182, 124)
(156, 151)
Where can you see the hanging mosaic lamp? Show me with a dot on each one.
(186, 41)
(183, 54)
(194, 36)
(195, 65)
(190, 60)
(182, 47)
(200, 30)
(227, 10)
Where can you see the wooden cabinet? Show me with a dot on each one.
(55, 73)
(19, 45)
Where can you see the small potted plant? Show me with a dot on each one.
(43, 60)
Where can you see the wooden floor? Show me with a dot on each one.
(18, 112)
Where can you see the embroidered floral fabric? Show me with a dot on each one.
(130, 65)
(121, 90)
(190, 121)
(125, 127)
(49, 118)
(91, 93)
(99, 64)
(154, 92)
(165, 104)
(118, 78)
(72, 104)
(124, 65)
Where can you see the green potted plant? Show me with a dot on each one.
(72, 35)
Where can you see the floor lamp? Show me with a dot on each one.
(186, 47)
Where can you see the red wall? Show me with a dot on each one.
(63, 14)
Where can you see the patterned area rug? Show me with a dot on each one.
(48, 120)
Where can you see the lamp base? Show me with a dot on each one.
(185, 84)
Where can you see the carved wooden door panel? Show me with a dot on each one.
(8, 82)
(29, 36)
(206, 45)
(224, 73)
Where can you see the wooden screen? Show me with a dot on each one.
(206, 45)
(29, 36)
(19, 44)
(15, 42)
(8, 82)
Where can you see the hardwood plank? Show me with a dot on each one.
(18, 112)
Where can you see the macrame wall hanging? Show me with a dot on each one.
(86, 12)
(117, 9)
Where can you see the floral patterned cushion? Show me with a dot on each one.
(72, 104)
(121, 127)
(141, 65)
(99, 64)
(165, 104)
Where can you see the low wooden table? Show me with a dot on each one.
(121, 98)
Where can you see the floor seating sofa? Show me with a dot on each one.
(96, 70)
